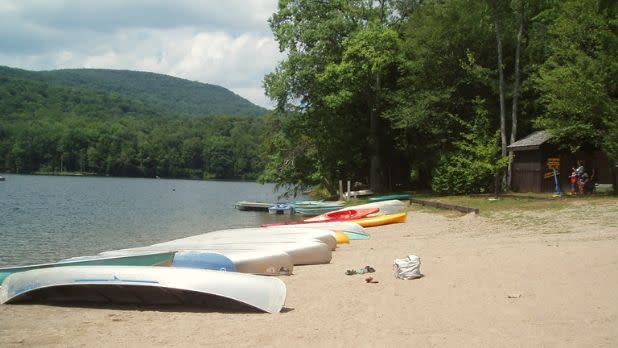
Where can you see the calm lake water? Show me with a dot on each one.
(47, 218)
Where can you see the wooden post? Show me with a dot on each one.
(340, 189)
(348, 195)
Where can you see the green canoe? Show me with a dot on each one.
(401, 197)
(146, 259)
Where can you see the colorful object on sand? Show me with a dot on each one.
(381, 220)
(341, 237)
(344, 215)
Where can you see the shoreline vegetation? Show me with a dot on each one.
(520, 277)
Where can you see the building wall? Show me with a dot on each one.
(527, 171)
(531, 171)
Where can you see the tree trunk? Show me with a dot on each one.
(500, 78)
(375, 180)
(516, 90)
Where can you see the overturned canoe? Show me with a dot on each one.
(143, 285)
(144, 258)
(263, 262)
(382, 220)
(204, 260)
(305, 252)
(401, 197)
(351, 229)
(262, 235)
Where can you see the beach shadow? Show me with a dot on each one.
(286, 310)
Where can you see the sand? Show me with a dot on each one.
(541, 278)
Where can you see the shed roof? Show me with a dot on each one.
(531, 142)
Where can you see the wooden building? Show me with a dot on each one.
(535, 160)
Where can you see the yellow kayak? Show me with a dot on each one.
(381, 220)
(341, 237)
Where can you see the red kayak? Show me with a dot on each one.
(344, 215)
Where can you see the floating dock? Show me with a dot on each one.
(252, 206)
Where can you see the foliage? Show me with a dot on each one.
(577, 81)
(53, 128)
(167, 94)
(472, 167)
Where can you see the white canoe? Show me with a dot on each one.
(263, 262)
(304, 252)
(144, 285)
(351, 229)
(259, 235)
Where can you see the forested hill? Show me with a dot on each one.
(169, 95)
(112, 123)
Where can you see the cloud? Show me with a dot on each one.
(223, 43)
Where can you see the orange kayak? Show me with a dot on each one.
(344, 215)
(381, 220)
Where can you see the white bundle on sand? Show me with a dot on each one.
(408, 268)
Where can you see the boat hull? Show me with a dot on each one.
(143, 285)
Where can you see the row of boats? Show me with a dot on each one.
(221, 269)
(312, 208)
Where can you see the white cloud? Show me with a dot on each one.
(223, 43)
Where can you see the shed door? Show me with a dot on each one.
(527, 171)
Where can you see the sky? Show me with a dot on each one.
(221, 42)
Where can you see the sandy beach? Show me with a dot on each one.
(515, 279)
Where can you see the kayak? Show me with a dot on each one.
(386, 207)
(342, 238)
(401, 197)
(344, 214)
(381, 220)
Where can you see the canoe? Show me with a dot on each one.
(263, 262)
(305, 252)
(317, 204)
(385, 207)
(351, 229)
(145, 285)
(345, 214)
(203, 260)
(401, 197)
(262, 235)
(315, 210)
(145, 258)
(302, 253)
(382, 220)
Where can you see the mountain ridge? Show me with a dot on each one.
(173, 95)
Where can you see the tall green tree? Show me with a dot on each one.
(577, 82)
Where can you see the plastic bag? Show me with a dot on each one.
(408, 268)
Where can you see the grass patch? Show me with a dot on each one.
(488, 205)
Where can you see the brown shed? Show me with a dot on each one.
(535, 160)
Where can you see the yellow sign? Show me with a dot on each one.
(553, 163)
(550, 174)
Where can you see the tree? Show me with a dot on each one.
(340, 56)
(577, 82)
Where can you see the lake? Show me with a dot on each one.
(47, 218)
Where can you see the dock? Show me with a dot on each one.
(252, 206)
